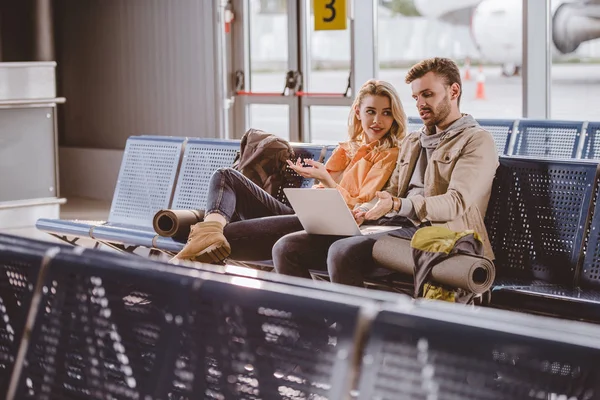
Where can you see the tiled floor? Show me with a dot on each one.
(75, 208)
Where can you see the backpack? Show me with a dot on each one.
(262, 159)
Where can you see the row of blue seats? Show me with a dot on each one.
(169, 172)
(540, 138)
(541, 218)
(91, 324)
(164, 173)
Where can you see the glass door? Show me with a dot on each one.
(288, 78)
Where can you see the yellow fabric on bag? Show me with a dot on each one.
(432, 240)
(434, 292)
(438, 239)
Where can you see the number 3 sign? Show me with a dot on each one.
(330, 14)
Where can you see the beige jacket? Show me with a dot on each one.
(458, 179)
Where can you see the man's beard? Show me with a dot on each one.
(440, 113)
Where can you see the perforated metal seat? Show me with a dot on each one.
(589, 276)
(20, 263)
(201, 159)
(266, 343)
(580, 300)
(536, 221)
(104, 327)
(145, 185)
(451, 354)
(536, 217)
(591, 146)
(414, 123)
(192, 186)
(291, 178)
(548, 139)
(501, 130)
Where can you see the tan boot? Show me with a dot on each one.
(206, 243)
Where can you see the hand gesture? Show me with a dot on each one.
(359, 216)
(383, 206)
(315, 170)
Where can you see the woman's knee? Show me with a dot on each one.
(225, 173)
(286, 251)
(337, 253)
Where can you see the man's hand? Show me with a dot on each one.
(383, 206)
(316, 171)
(359, 216)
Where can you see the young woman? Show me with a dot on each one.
(358, 168)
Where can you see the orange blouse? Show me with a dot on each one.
(359, 177)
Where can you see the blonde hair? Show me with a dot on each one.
(374, 87)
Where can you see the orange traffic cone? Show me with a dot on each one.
(467, 69)
(480, 93)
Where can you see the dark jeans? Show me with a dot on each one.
(346, 259)
(236, 197)
(253, 240)
(241, 202)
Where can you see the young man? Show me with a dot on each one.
(443, 176)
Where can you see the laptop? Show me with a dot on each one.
(324, 212)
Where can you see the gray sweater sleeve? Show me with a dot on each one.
(407, 209)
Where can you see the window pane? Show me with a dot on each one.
(576, 83)
(575, 69)
(268, 45)
(272, 118)
(486, 33)
(328, 124)
(329, 55)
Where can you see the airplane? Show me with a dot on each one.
(497, 25)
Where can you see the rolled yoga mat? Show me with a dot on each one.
(176, 223)
(472, 273)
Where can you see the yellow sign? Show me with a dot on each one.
(330, 15)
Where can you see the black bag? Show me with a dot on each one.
(262, 159)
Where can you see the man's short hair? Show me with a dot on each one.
(442, 67)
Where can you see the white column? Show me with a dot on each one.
(363, 25)
(537, 58)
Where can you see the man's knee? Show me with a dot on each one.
(350, 255)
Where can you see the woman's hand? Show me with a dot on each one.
(316, 171)
(383, 206)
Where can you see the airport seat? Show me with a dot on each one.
(536, 219)
(578, 298)
(155, 175)
(548, 139)
(501, 130)
(591, 146)
(436, 351)
(106, 327)
(201, 157)
(193, 180)
(253, 339)
(144, 186)
(20, 263)
(414, 123)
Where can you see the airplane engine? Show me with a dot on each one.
(497, 28)
(573, 24)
